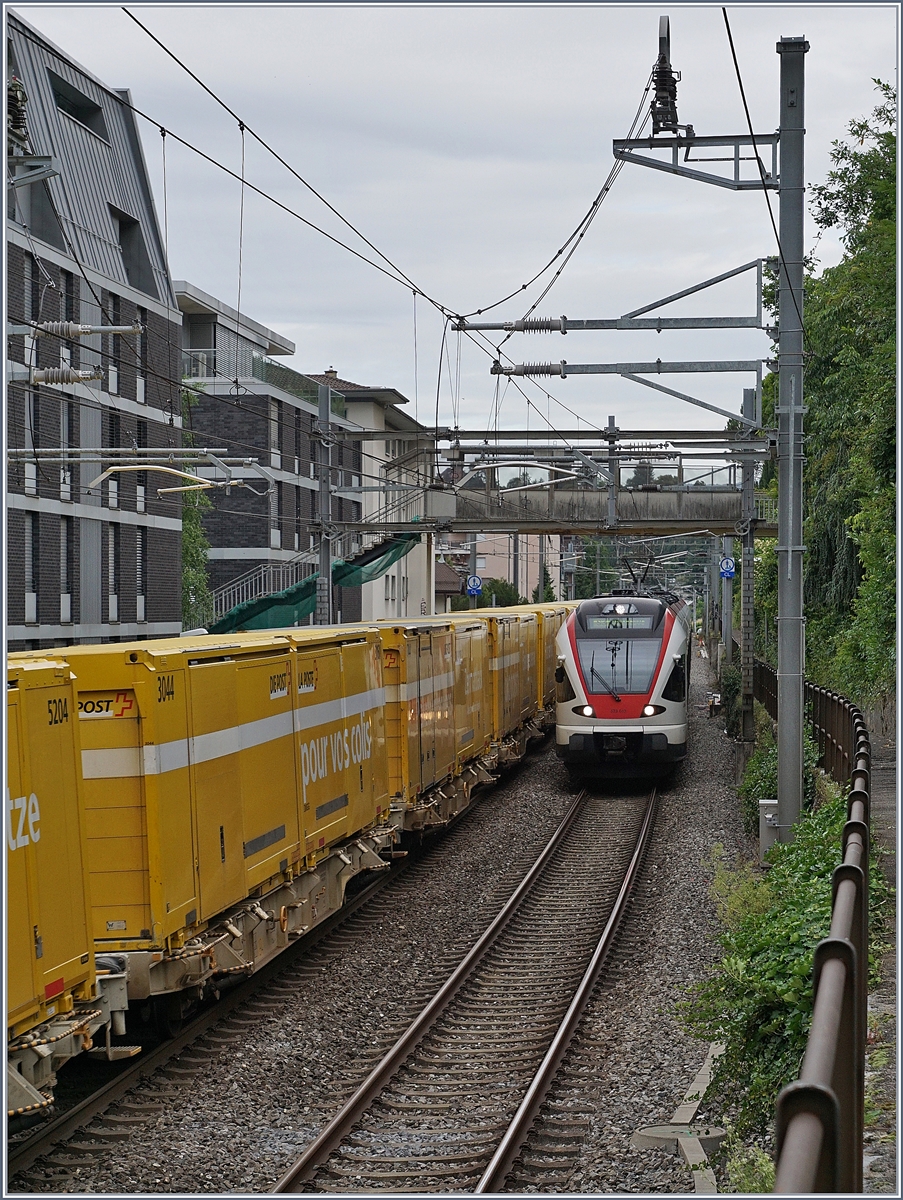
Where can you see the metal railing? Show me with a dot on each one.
(820, 1115)
(766, 508)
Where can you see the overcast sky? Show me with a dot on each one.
(466, 142)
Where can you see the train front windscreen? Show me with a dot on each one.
(619, 644)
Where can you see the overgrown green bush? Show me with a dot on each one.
(760, 780)
(749, 1169)
(732, 700)
(758, 999)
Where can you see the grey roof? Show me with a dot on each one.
(102, 169)
(448, 581)
(192, 300)
(359, 391)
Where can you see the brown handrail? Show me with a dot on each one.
(820, 1115)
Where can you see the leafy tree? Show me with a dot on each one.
(850, 322)
(548, 591)
(505, 593)
(850, 485)
(599, 563)
(197, 601)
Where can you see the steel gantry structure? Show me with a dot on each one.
(785, 177)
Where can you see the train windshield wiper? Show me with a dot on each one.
(592, 670)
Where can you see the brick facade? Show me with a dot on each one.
(46, 418)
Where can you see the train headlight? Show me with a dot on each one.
(653, 710)
(588, 710)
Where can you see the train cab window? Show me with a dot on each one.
(676, 687)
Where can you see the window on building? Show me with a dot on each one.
(89, 346)
(67, 313)
(275, 436)
(141, 476)
(78, 106)
(113, 565)
(275, 513)
(114, 438)
(141, 572)
(66, 415)
(298, 442)
(34, 285)
(141, 349)
(32, 441)
(66, 553)
(135, 258)
(114, 349)
(32, 559)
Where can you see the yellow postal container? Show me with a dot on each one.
(512, 668)
(215, 767)
(550, 617)
(49, 946)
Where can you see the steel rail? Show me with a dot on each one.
(58, 1129)
(495, 1174)
(350, 1113)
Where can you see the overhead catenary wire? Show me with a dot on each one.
(266, 146)
(577, 234)
(240, 178)
(279, 204)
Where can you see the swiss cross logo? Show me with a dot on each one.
(123, 703)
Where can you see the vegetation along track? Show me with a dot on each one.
(451, 1104)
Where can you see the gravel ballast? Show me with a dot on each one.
(236, 1125)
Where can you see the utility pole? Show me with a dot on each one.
(727, 605)
(747, 585)
(791, 628)
(515, 565)
(541, 594)
(324, 580)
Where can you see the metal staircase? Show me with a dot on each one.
(270, 577)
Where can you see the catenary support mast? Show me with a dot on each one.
(791, 628)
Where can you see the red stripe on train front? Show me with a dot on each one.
(631, 706)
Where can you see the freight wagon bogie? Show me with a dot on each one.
(249, 935)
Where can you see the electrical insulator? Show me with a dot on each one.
(16, 99)
(521, 369)
(65, 375)
(541, 325)
(665, 80)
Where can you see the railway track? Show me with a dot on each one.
(54, 1139)
(89, 1131)
(452, 1103)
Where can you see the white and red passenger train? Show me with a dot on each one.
(622, 680)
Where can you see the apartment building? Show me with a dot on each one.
(83, 563)
(264, 530)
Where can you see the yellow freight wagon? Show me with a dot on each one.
(512, 675)
(435, 671)
(550, 617)
(52, 996)
(221, 776)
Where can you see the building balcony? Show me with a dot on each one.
(226, 366)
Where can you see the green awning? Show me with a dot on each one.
(293, 604)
